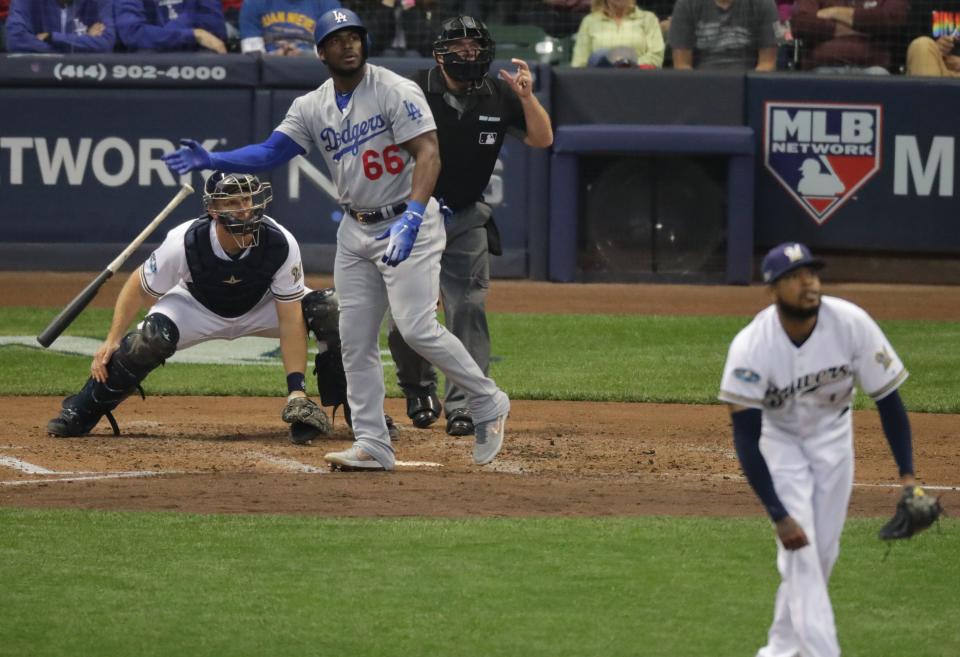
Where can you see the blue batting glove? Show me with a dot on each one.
(402, 234)
(191, 156)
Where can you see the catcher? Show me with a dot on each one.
(230, 273)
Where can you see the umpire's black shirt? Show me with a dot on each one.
(471, 128)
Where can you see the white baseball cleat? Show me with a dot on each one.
(352, 459)
(488, 439)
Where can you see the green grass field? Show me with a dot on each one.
(573, 357)
(119, 584)
(76, 583)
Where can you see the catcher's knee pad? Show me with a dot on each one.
(321, 311)
(145, 349)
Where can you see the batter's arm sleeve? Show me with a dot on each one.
(276, 150)
(896, 428)
(747, 423)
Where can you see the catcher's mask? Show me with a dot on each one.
(238, 200)
(460, 61)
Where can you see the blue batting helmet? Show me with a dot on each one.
(336, 20)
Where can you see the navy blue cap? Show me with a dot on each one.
(786, 257)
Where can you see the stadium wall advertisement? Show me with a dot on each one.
(854, 164)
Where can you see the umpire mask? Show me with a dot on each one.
(238, 200)
(465, 48)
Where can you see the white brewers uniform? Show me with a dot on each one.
(166, 273)
(361, 147)
(806, 394)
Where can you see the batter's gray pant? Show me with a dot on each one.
(367, 287)
(464, 282)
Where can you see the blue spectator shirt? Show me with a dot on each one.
(167, 24)
(67, 26)
(282, 24)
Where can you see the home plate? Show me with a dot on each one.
(418, 464)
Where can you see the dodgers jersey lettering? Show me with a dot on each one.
(361, 144)
(167, 267)
(807, 390)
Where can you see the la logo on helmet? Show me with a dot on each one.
(341, 17)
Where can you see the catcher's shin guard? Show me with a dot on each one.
(332, 380)
(140, 352)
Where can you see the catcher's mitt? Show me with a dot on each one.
(915, 512)
(307, 420)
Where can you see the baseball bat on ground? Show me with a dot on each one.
(79, 302)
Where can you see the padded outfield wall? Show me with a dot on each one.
(858, 166)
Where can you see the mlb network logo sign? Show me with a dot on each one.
(821, 153)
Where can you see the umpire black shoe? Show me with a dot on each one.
(459, 422)
(423, 410)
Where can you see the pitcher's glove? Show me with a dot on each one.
(916, 511)
(307, 420)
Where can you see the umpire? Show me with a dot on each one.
(474, 112)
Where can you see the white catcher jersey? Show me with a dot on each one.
(361, 144)
(807, 390)
(167, 266)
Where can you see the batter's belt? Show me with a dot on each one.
(376, 216)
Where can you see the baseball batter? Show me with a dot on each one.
(232, 272)
(378, 139)
(789, 379)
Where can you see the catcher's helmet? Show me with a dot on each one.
(454, 63)
(238, 200)
(340, 19)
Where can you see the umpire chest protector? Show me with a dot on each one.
(231, 288)
(471, 128)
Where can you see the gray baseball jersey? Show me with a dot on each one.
(361, 144)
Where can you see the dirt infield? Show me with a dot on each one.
(212, 454)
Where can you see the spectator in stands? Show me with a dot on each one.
(398, 25)
(848, 36)
(619, 24)
(489, 11)
(724, 34)
(936, 52)
(61, 26)
(559, 18)
(281, 27)
(166, 25)
(4, 9)
(231, 16)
